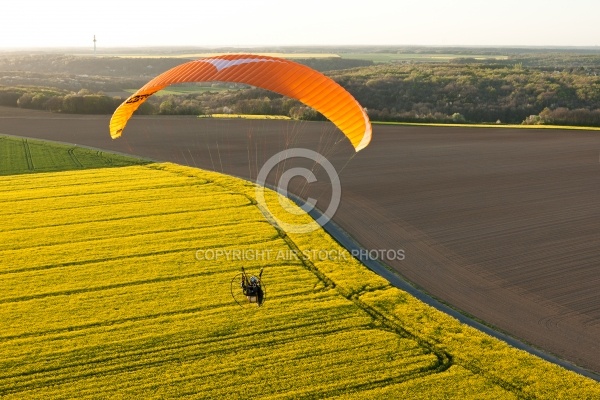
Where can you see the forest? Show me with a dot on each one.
(559, 87)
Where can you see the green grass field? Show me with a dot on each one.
(378, 57)
(108, 290)
(195, 55)
(505, 126)
(416, 57)
(184, 89)
(21, 155)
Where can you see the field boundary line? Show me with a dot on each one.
(444, 359)
(346, 241)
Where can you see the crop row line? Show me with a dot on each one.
(201, 316)
(231, 345)
(134, 315)
(313, 321)
(120, 365)
(71, 153)
(444, 359)
(94, 193)
(102, 288)
(107, 160)
(113, 200)
(445, 364)
(124, 257)
(28, 155)
(131, 235)
(68, 179)
(160, 278)
(105, 323)
(123, 218)
(143, 354)
(353, 387)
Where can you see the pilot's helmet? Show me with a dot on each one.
(254, 280)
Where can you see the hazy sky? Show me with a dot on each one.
(67, 23)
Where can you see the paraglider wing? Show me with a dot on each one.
(275, 74)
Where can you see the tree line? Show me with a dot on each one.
(409, 92)
(475, 93)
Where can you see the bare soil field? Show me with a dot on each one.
(503, 224)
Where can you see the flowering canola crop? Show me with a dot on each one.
(116, 282)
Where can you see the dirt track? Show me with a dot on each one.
(503, 224)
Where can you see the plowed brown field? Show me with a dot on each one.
(503, 224)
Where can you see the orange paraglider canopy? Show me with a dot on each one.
(276, 74)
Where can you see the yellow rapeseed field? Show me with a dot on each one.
(116, 283)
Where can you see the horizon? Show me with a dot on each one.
(299, 46)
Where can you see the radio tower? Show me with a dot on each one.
(94, 44)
